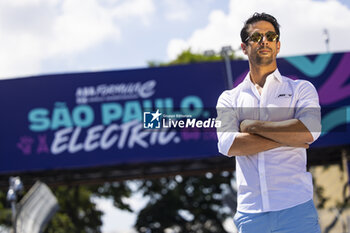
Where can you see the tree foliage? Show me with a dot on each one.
(188, 57)
(78, 213)
(184, 204)
(5, 211)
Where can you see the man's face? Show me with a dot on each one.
(263, 52)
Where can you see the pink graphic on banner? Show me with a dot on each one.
(210, 136)
(333, 90)
(240, 78)
(190, 134)
(42, 147)
(25, 145)
(293, 77)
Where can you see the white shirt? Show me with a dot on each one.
(275, 179)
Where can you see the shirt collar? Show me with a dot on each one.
(277, 75)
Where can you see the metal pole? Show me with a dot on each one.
(345, 159)
(14, 215)
(225, 53)
(228, 72)
(16, 186)
(326, 39)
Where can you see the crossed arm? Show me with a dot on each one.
(257, 136)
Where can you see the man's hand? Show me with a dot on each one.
(248, 126)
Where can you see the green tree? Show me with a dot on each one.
(185, 204)
(5, 212)
(78, 212)
(188, 57)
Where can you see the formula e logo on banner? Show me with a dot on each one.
(152, 120)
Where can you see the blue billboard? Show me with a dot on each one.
(95, 119)
(80, 120)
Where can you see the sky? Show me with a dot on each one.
(61, 36)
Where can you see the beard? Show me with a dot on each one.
(263, 61)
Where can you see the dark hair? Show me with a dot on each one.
(256, 18)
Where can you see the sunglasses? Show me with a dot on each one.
(258, 37)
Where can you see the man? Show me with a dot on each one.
(268, 122)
